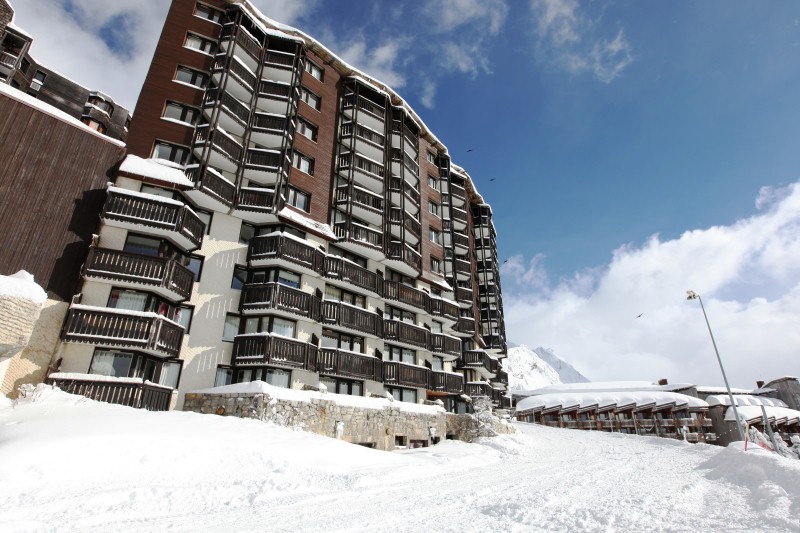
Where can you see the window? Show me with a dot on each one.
(404, 355)
(306, 129)
(341, 295)
(195, 264)
(342, 341)
(273, 376)
(433, 208)
(431, 157)
(195, 42)
(395, 313)
(360, 261)
(276, 275)
(170, 373)
(433, 183)
(403, 395)
(342, 386)
(135, 365)
(101, 103)
(170, 152)
(139, 244)
(224, 376)
(310, 98)
(38, 80)
(192, 77)
(303, 162)
(183, 316)
(95, 125)
(181, 113)
(239, 277)
(208, 13)
(314, 69)
(436, 265)
(157, 191)
(436, 326)
(298, 199)
(435, 236)
(437, 363)
(231, 327)
(246, 232)
(270, 324)
(205, 216)
(24, 66)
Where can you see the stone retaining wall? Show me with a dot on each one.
(387, 426)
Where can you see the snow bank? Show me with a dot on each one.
(21, 285)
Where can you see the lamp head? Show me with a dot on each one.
(691, 295)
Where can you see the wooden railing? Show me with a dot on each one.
(255, 199)
(364, 198)
(338, 268)
(400, 156)
(264, 160)
(462, 267)
(279, 60)
(349, 364)
(270, 123)
(213, 185)
(400, 216)
(446, 382)
(460, 240)
(108, 327)
(138, 394)
(400, 292)
(8, 59)
(227, 146)
(500, 376)
(288, 249)
(400, 251)
(400, 331)
(144, 269)
(458, 214)
(151, 212)
(441, 343)
(411, 137)
(250, 45)
(397, 373)
(458, 192)
(444, 309)
(232, 104)
(351, 100)
(478, 359)
(273, 349)
(274, 90)
(400, 186)
(478, 389)
(365, 134)
(237, 69)
(365, 166)
(359, 234)
(351, 317)
(256, 296)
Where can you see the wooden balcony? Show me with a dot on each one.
(399, 156)
(460, 240)
(270, 248)
(480, 361)
(361, 165)
(272, 124)
(263, 296)
(254, 200)
(348, 364)
(363, 104)
(367, 135)
(399, 331)
(462, 267)
(351, 317)
(450, 382)
(359, 234)
(105, 326)
(8, 59)
(398, 186)
(441, 343)
(361, 198)
(399, 217)
(279, 60)
(411, 138)
(444, 309)
(341, 269)
(400, 292)
(166, 218)
(243, 40)
(608, 425)
(466, 326)
(397, 373)
(130, 392)
(222, 144)
(401, 251)
(211, 190)
(158, 274)
(478, 389)
(458, 195)
(262, 348)
(240, 73)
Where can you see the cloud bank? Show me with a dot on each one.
(748, 274)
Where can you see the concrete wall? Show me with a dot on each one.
(383, 427)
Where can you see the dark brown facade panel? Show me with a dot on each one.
(55, 175)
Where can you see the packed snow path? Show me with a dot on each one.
(68, 464)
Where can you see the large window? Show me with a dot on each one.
(303, 162)
(239, 277)
(310, 98)
(314, 69)
(298, 199)
(435, 236)
(191, 77)
(208, 13)
(436, 265)
(342, 386)
(341, 295)
(101, 103)
(270, 324)
(170, 152)
(135, 365)
(395, 313)
(433, 208)
(306, 129)
(231, 328)
(279, 275)
(200, 44)
(403, 355)
(342, 341)
(433, 182)
(339, 252)
(181, 113)
(274, 376)
(403, 395)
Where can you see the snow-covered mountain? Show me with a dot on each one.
(538, 367)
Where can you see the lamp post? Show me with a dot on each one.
(691, 295)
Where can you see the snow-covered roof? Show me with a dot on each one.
(706, 389)
(743, 399)
(261, 387)
(753, 413)
(156, 169)
(47, 109)
(312, 225)
(603, 399)
(21, 285)
(594, 386)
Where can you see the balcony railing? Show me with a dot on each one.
(273, 349)
(351, 100)
(255, 199)
(441, 343)
(279, 60)
(460, 240)
(446, 382)
(351, 317)
(213, 185)
(280, 247)
(400, 156)
(478, 389)
(273, 90)
(400, 251)
(148, 211)
(400, 292)
(119, 391)
(237, 69)
(411, 137)
(232, 104)
(365, 134)
(465, 325)
(361, 164)
(478, 359)
(250, 45)
(400, 216)
(463, 267)
(357, 233)
(260, 296)
(457, 191)
(444, 309)
(147, 270)
(278, 124)
(399, 186)
(263, 160)
(339, 268)
(396, 330)
(227, 146)
(349, 364)
(397, 373)
(8, 59)
(362, 197)
(112, 327)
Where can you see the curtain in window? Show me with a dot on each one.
(105, 363)
(283, 327)
(131, 301)
(278, 378)
(170, 371)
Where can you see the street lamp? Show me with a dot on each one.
(691, 295)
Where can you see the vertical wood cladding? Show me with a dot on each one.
(428, 248)
(159, 86)
(6, 14)
(54, 174)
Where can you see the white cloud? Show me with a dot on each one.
(454, 14)
(747, 274)
(566, 38)
(66, 39)
(379, 61)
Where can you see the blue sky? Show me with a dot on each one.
(638, 150)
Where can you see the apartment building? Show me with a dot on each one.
(283, 217)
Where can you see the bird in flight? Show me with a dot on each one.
(492, 179)
(639, 315)
(469, 150)
(506, 261)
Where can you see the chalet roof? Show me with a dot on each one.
(606, 399)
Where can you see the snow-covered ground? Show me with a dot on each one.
(70, 464)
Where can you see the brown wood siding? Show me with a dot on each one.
(429, 221)
(146, 125)
(52, 182)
